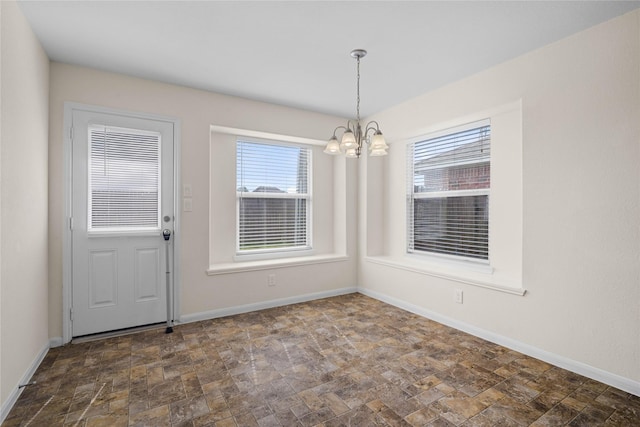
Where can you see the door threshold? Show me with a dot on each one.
(117, 333)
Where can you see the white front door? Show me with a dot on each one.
(122, 200)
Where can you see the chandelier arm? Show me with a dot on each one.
(339, 127)
(370, 129)
(373, 123)
(352, 126)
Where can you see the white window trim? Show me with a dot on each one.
(289, 259)
(506, 123)
(452, 193)
(271, 263)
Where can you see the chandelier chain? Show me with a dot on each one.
(358, 91)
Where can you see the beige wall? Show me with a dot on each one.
(575, 177)
(202, 294)
(23, 214)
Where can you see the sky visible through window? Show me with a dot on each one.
(269, 167)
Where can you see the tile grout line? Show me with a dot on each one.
(39, 411)
(90, 403)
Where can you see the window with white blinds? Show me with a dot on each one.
(124, 179)
(448, 195)
(273, 197)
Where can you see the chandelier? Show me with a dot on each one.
(353, 137)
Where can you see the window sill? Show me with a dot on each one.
(282, 254)
(240, 267)
(416, 267)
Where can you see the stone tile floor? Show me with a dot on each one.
(343, 361)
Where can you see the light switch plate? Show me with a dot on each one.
(187, 204)
(186, 190)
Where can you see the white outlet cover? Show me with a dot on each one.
(458, 296)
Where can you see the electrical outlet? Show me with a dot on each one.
(457, 296)
(271, 280)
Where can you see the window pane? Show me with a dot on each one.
(270, 168)
(459, 161)
(273, 196)
(272, 223)
(468, 177)
(449, 182)
(124, 179)
(452, 225)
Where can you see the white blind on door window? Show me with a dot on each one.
(124, 179)
(272, 185)
(449, 182)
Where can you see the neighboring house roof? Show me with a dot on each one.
(267, 189)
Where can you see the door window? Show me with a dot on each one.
(124, 180)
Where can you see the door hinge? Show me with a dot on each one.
(71, 133)
(70, 223)
(71, 313)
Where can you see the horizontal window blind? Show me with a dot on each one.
(124, 179)
(449, 182)
(272, 184)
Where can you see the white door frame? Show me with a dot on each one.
(67, 294)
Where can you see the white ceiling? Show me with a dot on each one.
(297, 53)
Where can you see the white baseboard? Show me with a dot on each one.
(614, 380)
(229, 311)
(55, 342)
(7, 405)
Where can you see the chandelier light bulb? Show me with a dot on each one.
(378, 142)
(333, 146)
(351, 152)
(349, 140)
